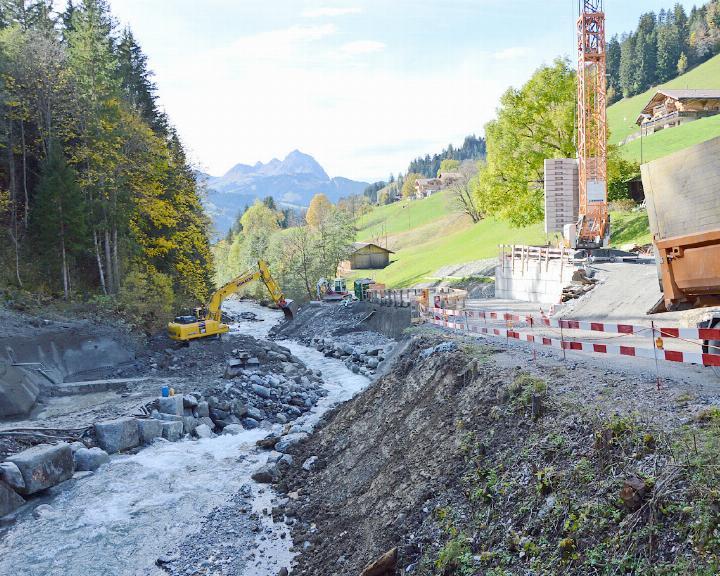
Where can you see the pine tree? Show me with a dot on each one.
(137, 85)
(627, 66)
(668, 52)
(613, 64)
(66, 17)
(94, 67)
(58, 220)
(269, 201)
(28, 14)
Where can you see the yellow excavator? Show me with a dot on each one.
(207, 320)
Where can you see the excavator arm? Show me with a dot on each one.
(214, 305)
(214, 311)
(208, 321)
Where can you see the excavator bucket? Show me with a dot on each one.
(290, 310)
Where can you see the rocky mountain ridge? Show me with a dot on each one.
(292, 181)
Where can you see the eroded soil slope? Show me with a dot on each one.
(470, 465)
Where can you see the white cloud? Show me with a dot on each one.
(330, 12)
(276, 44)
(256, 110)
(362, 47)
(512, 53)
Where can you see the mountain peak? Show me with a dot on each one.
(297, 162)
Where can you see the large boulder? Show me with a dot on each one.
(18, 391)
(11, 475)
(9, 500)
(172, 431)
(167, 417)
(117, 435)
(149, 429)
(233, 429)
(207, 420)
(44, 466)
(189, 424)
(90, 459)
(238, 408)
(288, 443)
(203, 409)
(189, 401)
(171, 405)
(265, 475)
(203, 431)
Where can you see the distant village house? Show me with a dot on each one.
(425, 187)
(671, 108)
(448, 178)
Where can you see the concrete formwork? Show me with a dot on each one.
(533, 274)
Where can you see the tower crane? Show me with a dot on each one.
(592, 229)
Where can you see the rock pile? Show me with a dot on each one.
(360, 358)
(275, 393)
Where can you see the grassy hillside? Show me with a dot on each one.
(402, 216)
(629, 228)
(429, 234)
(669, 141)
(622, 114)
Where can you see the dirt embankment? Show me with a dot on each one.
(470, 465)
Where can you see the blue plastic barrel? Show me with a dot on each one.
(165, 391)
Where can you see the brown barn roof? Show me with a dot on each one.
(358, 245)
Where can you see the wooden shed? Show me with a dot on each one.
(366, 256)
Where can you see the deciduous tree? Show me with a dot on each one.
(318, 209)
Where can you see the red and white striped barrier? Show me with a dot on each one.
(452, 319)
(681, 333)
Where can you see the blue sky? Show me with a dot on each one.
(364, 86)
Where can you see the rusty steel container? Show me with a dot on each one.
(682, 193)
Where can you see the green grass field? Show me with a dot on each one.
(403, 216)
(629, 228)
(417, 262)
(622, 114)
(671, 140)
(444, 238)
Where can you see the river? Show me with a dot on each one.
(118, 520)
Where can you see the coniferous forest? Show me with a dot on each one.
(96, 192)
(663, 46)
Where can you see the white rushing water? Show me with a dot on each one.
(118, 520)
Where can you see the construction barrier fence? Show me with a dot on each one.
(562, 334)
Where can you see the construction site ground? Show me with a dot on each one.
(441, 457)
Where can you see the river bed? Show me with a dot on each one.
(119, 520)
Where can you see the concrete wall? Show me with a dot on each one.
(387, 320)
(533, 281)
(66, 354)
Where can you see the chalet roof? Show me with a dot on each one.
(699, 94)
(428, 181)
(358, 245)
(662, 94)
